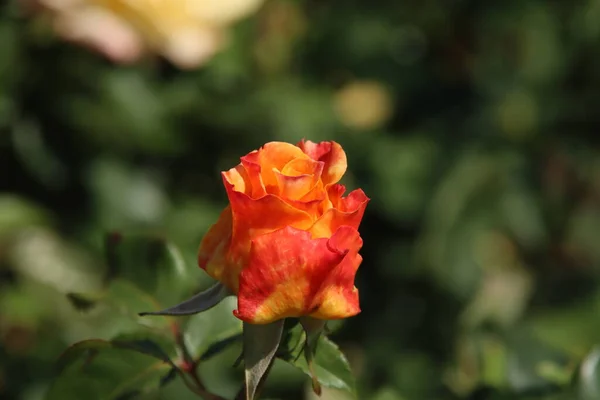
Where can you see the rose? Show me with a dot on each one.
(288, 244)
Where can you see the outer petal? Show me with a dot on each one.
(347, 211)
(330, 153)
(251, 165)
(254, 217)
(240, 179)
(285, 271)
(214, 246)
(338, 297)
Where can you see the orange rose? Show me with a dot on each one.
(287, 245)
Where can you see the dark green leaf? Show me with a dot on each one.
(143, 346)
(104, 370)
(218, 346)
(172, 374)
(140, 343)
(260, 345)
(87, 348)
(203, 301)
(81, 302)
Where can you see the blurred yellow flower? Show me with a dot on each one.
(188, 32)
(363, 105)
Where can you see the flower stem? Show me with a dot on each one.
(190, 368)
(201, 390)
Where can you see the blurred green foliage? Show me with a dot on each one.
(471, 125)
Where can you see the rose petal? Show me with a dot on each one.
(240, 179)
(278, 154)
(251, 164)
(274, 156)
(338, 297)
(345, 238)
(347, 211)
(316, 193)
(285, 274)
(254, 217)
(257, 216)
(335, 193)
(293, 187)
(310, 207)
(303, 166)
(331, 154)
(350, 203)
(214, 246)
(309, 189)
(315, 150)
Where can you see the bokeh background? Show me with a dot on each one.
(471, 125)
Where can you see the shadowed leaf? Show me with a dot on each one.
(119, 369)
(201, 302)
(219, 346)
(260, 345)
(81, 302)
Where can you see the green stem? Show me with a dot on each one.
(191, 368)
(201, 390)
